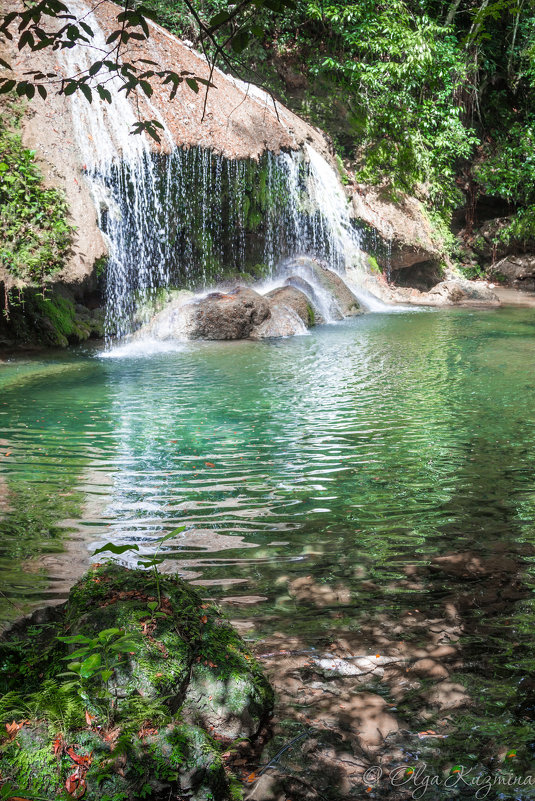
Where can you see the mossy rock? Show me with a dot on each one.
(49, 320)
(155, 728)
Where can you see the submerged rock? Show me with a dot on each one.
(178, 683)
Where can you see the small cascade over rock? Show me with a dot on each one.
(191, 217)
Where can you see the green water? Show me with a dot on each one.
(350, 459)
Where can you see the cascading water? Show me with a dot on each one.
(190, 217)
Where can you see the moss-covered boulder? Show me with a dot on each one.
(130, 690)
(33, 320)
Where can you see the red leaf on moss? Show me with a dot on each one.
(71, 784)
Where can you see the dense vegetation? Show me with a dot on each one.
(35, 235)
(434, 97)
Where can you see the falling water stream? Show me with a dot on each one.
(190, 217)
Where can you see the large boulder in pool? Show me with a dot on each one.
(229, 316)
(157, 693)
(219, 315)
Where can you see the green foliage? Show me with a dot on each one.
(35, 236)
(119, 712)
(55, 702)
(508, 171)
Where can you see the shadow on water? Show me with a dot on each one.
(361, 501)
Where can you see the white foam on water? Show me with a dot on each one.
(142, 349)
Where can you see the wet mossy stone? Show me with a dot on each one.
(157, 727)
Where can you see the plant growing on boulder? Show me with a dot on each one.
(155, 697)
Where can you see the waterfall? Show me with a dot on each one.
(192, 217)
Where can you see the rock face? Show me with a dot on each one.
(175, 677)
(403, 227)
(239, 121)
(518, 271)
(54, 320)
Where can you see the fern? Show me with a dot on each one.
(60, 706)
(11, 706)
(137, 711)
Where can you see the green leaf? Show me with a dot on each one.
(151, 604)
(124, 647)
(152, 563)
(240, 41)
(76, 638)
(219, 19)
(81, 652)
(7, 87)
(96, 67)
(193, 85)
(147, 88)
(90, 666)
(172, 533)
(104, 94)
(106, 634)
(86, 91)
(112, 37)
(117, 549)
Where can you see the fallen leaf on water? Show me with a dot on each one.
(208, 464)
